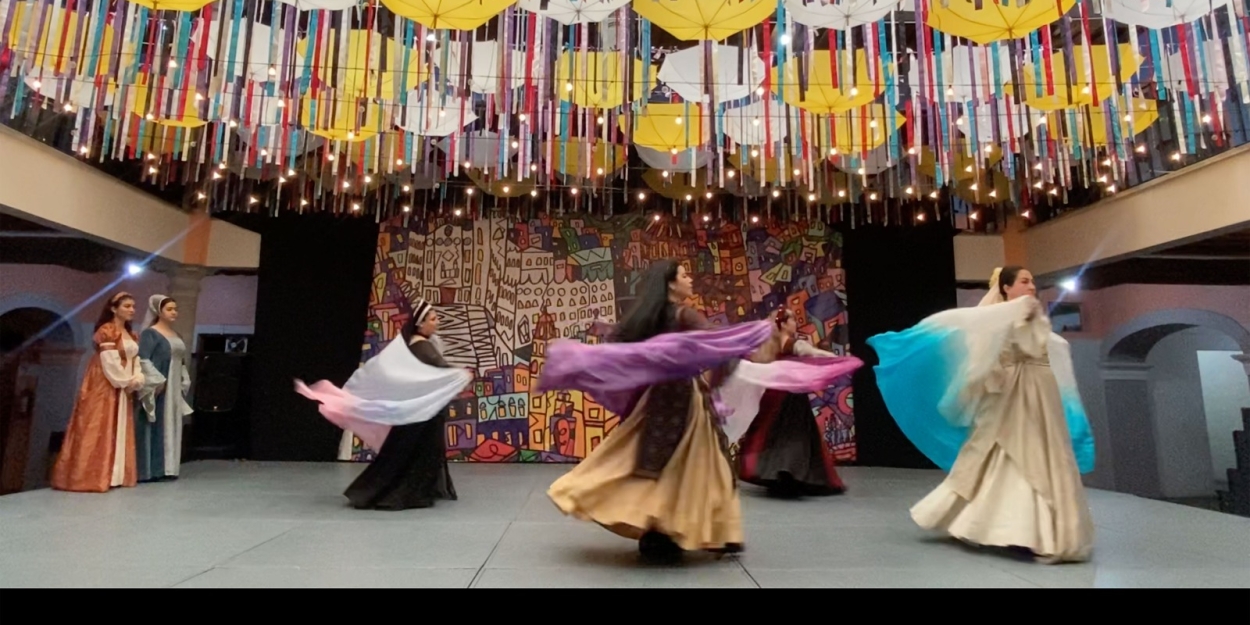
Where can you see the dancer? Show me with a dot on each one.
(1011, 431)
(162, 400)
(98, 452)
(397, 404)
(663, 476)
(783, 450)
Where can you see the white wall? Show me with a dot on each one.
(1181, 436)
(1225, 391)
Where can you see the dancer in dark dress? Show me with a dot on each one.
(399, 407)
(783, 450)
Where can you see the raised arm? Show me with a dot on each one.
(691, 319)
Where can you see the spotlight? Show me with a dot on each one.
(134, 269)
(1069, 285)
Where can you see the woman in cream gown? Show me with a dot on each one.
(989, 394)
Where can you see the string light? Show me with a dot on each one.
(534, 193)
(407, 208)
(709, 195)
(522, 117)
(909, 191)
(303, 202)
(729, 174)
(506, 189)
(408, 188)
(641, 196)
(689, 197)
(467, 191)
(873, 197)
(252, 200)
(776, 193)
(811, 197)
(355, 207)
(707, 218)
(755, 219)
(200, 195)
(347, 185)
(655, 218)
(457, 212)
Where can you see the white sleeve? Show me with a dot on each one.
(807, 350)
(116, 373)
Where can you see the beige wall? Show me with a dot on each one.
(976, 256)
(47, 186)
(1205, 198)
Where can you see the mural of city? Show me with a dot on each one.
(505, 288)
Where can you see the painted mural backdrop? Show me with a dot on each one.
(505, 288)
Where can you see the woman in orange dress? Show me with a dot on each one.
(99, 449)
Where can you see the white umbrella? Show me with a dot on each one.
(1159, 13)
(323, 5)
(575, 11)
(1011, 125)
(839, 14)
(1211, 78)
(683, 161)
(683, 73)
(82, 93)
(876, 161)
(436, 116)
(486, 67)
(480, 149)
(258, 63)
(961, 67)
(746, 125)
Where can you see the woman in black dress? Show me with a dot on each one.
(410, 470)
(783, 450)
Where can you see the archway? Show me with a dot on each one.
(1161, 444)
(38, 376)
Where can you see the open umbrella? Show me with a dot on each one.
(987, 22)
(667, 127)
(597, 79)
(822, 93)
(486, 70)
(749, 125)
(699, 20)
(459, 15)
(840, 14)
(1083, 90)
(1159, 14)
(481, 149)
(732, 79)
(683, 160)
(437, 116)
(574, 11)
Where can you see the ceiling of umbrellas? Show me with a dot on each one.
(381, 105)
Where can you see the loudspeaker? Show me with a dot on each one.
(220, 394)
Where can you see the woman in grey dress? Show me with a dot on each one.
(162, 401)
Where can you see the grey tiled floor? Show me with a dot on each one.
(287, 525)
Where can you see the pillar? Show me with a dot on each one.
(1244, 359)
(1130, 419)
(184, 287)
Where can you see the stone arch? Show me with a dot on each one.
(1136, 456)
(37, 300)
(1132, 341)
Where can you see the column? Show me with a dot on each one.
(1130, 420)
(1244, 359)
(184, 287)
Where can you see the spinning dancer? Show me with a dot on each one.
(989, 394)
(397, 404)
(783, 450)
(663, 476)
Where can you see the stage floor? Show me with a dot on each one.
(227, 524)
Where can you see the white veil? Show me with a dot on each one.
(154, 310)
(995, 296)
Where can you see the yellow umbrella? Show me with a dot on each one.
(705, 19)
(48, 55)
(500, 188)
(141, 102)
(979, 190)
(452, 14)
(994, 21)
(962, 167)
(578, 158)
(173, 5)
(357, 76)
(678, 186)
(667, 127)
(823, 95)
(1092, 130)
(771, 169)
(857, 130)
(1083, 88)
(594, 79)
(343, 123)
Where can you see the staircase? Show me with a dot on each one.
(1236, 500)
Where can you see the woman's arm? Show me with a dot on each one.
(691, 319)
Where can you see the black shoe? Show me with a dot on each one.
(657, 548)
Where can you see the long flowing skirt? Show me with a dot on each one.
(98, 451)
(1015, 482)
(410, 470)
(694, 501)
(150, 443)
(784, 451)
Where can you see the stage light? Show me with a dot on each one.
(1069, 285)
(134, 269)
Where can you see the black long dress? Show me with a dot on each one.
(410, 470)
(783, 449)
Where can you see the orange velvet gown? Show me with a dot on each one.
(99, 449)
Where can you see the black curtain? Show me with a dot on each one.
(894, 278)
(311, 302)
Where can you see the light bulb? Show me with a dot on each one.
(200, 195)
(252, 200)
(689, 197)
(755, 122)
(407, 209)
(709, 195)
(854, 91)
(664, 173)
(355, 207)
(776, 193)
(347, 185)
(707, 218)
(507, 189)
(811, 197)
(522, 117)
(368, 179)
(755, 153)
(934, 195)
(534, 193)
(407, 188)
(755, 219)
(729, 174)
(470, 191)
(457, 212)
(573, 190)
(677, 120)
(909, 191)
(399, 162)
(642, 196)
(841, 193)
(873, 197)
(273, 71)
(655, 218)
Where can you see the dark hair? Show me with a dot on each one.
(165, 302)
(1007, 277)
(106, 315)
(421, 311)
(782, 316)
(653, 311)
